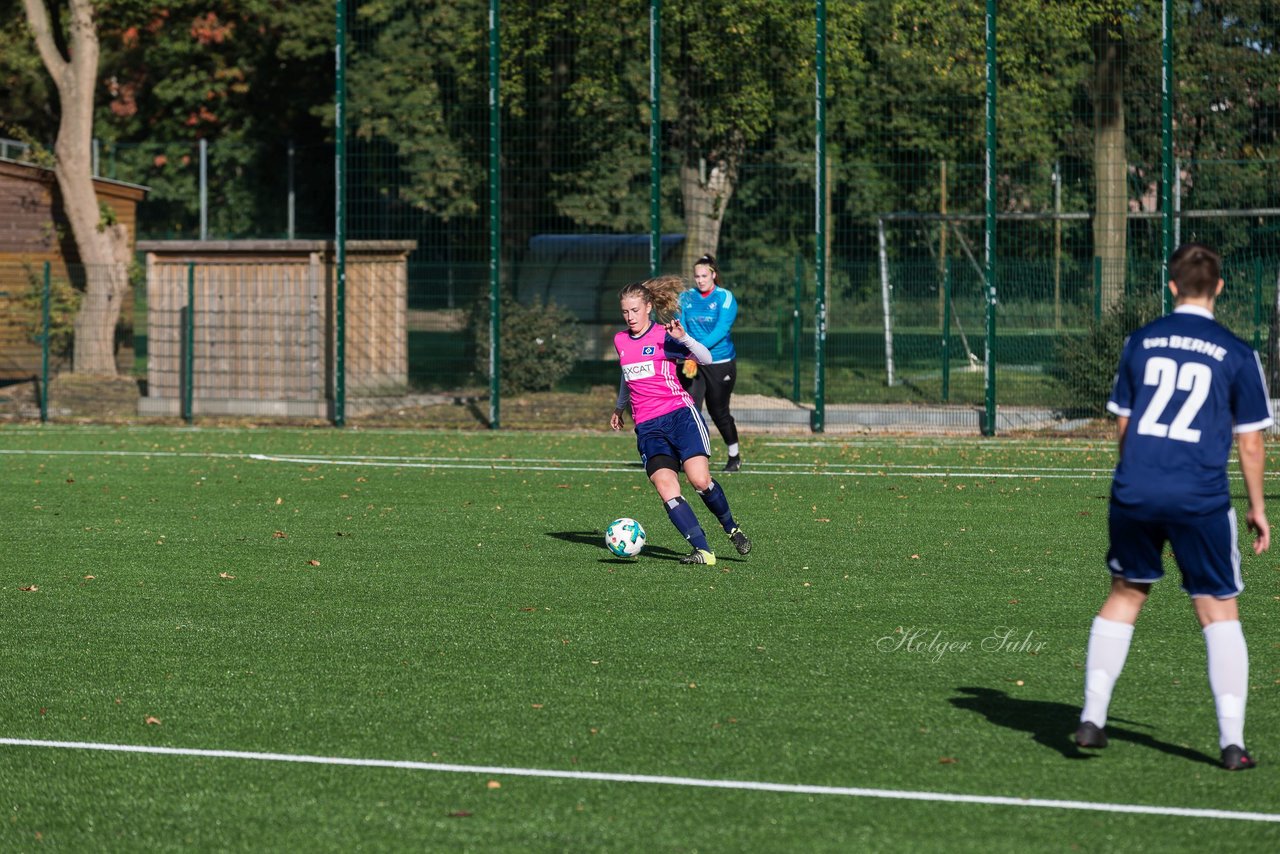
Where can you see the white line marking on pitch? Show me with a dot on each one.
(824, 469)
(599, 776)
(835, 469)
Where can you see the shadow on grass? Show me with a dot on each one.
(595, 539)
(1053, 725)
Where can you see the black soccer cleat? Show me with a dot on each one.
(1089, 734)
(1236, 758)
(740, 541)
(699, 556)
(734, 463)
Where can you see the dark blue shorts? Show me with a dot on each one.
(1205, 549)
(681, 434)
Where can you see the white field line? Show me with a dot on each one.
(835, 469)
(822, 469)
(993, 445)
(652, 780)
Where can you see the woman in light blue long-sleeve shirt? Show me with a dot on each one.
(708, 312)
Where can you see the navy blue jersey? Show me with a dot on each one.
(1187, 385)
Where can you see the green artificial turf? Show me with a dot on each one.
(913, 618)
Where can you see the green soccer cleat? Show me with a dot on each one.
(699, 556)
(740, 541)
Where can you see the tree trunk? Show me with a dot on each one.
(706, 198)
(1110, 221)
(103, 247)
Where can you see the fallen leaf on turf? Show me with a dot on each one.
(225, 575)
(279, 535)
(313, 562)
(915, 557)
(89, 577)
(536, 705)
(947, 760)
(152, 720)
(493, 784)
(32, 589)
(279, 501)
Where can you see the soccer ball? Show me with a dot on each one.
(624, 537)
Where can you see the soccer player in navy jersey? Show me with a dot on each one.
(1185, 385)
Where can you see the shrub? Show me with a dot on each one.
(1086, 364)
(64, 303)
(538, 348)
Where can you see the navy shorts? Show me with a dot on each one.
(681, 434)
(1206, 550)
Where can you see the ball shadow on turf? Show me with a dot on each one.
(1053, 724)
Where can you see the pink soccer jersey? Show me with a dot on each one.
(649, 367)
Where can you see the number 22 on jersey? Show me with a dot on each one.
(1167, 376)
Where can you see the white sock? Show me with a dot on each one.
(1228, 677)
(1108, 648)
(733, 449)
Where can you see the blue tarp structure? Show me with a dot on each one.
(584, 272)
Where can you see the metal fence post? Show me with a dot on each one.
(495, 215)
(797, 328)
(188, 352)
(45, 298)
(946, 330)
(1097, 287)
(655, 137)
(1166, 150)
(340, 220)
(989, 425)
(818, 423)
(1257, 303)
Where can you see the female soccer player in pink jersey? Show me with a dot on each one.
(670, 433)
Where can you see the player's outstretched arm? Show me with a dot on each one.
(1252, 465)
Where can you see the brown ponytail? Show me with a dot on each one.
(662, 294)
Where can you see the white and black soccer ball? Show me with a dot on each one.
(624, 537)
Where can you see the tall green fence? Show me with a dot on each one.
(918, 308)
(988, 195)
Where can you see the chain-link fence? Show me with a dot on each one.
(987, 193)
(919, 308)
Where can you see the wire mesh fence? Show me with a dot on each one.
(946, 284)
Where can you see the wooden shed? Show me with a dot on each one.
(33, 230)
(258, 319)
